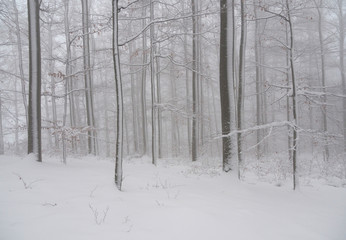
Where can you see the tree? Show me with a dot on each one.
(88, 79)
(34, 108)
(2, 147)
(323, 74)
(224, 87)
(341, 18)
(152, 81)
(144, 77)
(240, 85)
(20, 59)
(119, 96)
(194, 147)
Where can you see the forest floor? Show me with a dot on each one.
(175, 200)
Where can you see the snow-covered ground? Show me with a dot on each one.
(182, 201)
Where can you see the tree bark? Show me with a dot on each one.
(294, 95)
(323, 78)
(342, 64)
(20, 60)
(88, 80)
(2, 146)
(240, 86)
(68, 72)
(224, 87)
(194, 147)
(143, 92)
(34, 108)
(119, 95)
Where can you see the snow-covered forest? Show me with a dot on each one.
(144, 99)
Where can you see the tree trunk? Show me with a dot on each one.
(133, 99)
(2, 146)
(119, 94)
(224, 88)
(52, 83)
(68, 72)
(187, 84)
(194, 147)
(240, 86)
(294, 95)
(20, 60)
(88, 80)
(159, 111)
(143, 92)
(323, 78)
(342, 65)
(34, 109)
(153, 91)
(259, 121)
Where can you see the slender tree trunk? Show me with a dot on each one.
(34, 108)
(133, 99)
(52, 82)
(88, 80)
(259, 101)
(233, 82)
(106, 123)
(47, 116)
(153, 91)
(342, 64)
(143, 92)
(63, 132)
(194, 147)
(187, 85)
(20, 60)
(159, 111)
(288, 105)
(68, 72)
(16, 133)
(224, 88)
(2, 145)
(323, 78)
(240, 87)
(119, 94)
(294, 95)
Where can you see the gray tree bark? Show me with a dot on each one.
(224, 87)
(119, 94)
(20, 61)
(88, 80)
(34, 107)
(2, 145)
(240, 86)
(194, 147)
(294, 96)
(323, 77)
(143, 90)
(341, 62)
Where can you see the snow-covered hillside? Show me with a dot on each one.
(182, 201)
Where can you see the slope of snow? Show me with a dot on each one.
(80, 201)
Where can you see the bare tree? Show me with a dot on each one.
(341, 18)
(224, 87)
(143, 90)
(88, 79)
(119, 94)
(20, 60)
(2, 147)
(194, 83)
(240, 85)
(34, 109)
(323, 74)
(294, 95)
(153, 91)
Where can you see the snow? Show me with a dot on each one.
(175, 200)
